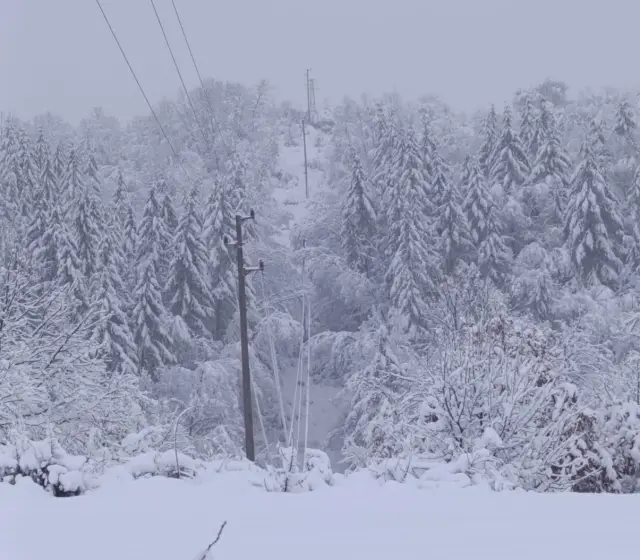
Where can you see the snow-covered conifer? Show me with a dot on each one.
(414, 266)
(453, 227)
(358, 221)
(510, 166)
(485, 228)
(112, 335)
(188, 286)
(551, 167)
(626, 124)
(218, 223)
(593, 227)
(150, 317)
(490, 134)
(528, 128)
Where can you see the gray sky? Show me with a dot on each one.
(58, 55)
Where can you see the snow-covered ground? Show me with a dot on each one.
(167, 519)
(291, 195)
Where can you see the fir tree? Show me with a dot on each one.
(552, 167)
(151, 335)
(74, 180)
(593, 228)
(188, 285)
(388, 141)
(510, 166)
(428, 149)
(129, 244)
(544, 126)
(168, 229)
(633, 204)
(59, 167)
(453, 228)
(42, 154)
(69, 267)
(491, 134)
(120, 204)
(358, 222)
(528, 128)
(485, 228)
(88, 233)
(439, 178)
(626, 124)
(413, 266)
(112, 335)
(28, 180)
(220, 222)
(150, 315)
(598, 144)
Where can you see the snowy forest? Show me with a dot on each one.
(472, 283)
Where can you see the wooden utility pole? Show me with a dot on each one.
(306, 171)
(243, 271)
(247, 401)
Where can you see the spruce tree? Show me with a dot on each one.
(633, 205)
(552, 167)
(544, 126)
(598, 144)
(151, 335)
(626, 124)
(74, 180)
(358, 221)
(188, 288)
(413, 268)
(510, 166)
(88, 233)
(528, 128)
(219, 222)
(120, 202)
(129, 250)
(485, 228)
(169, 227)
(387, 143)
(28, 180)
(593, 228)
(112, 335)
(455, 238)
(490, 134)
(69, 266)
(428, 148)
(150, 317)
(59, 167)
(42, 155)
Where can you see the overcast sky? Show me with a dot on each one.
(58, 55)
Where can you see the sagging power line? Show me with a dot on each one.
(214, 121)
(177, 67)
(135, 77)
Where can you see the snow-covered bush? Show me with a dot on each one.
(289, 477)
(46, 463)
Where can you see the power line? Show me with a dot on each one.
(175, 63)
(155, 116)
(206, 95)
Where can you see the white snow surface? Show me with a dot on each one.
(358, 518)
(291, 195)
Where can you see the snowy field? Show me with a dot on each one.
(359, 518)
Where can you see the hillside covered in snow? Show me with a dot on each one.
(451, 288)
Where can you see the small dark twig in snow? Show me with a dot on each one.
(205, 554)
